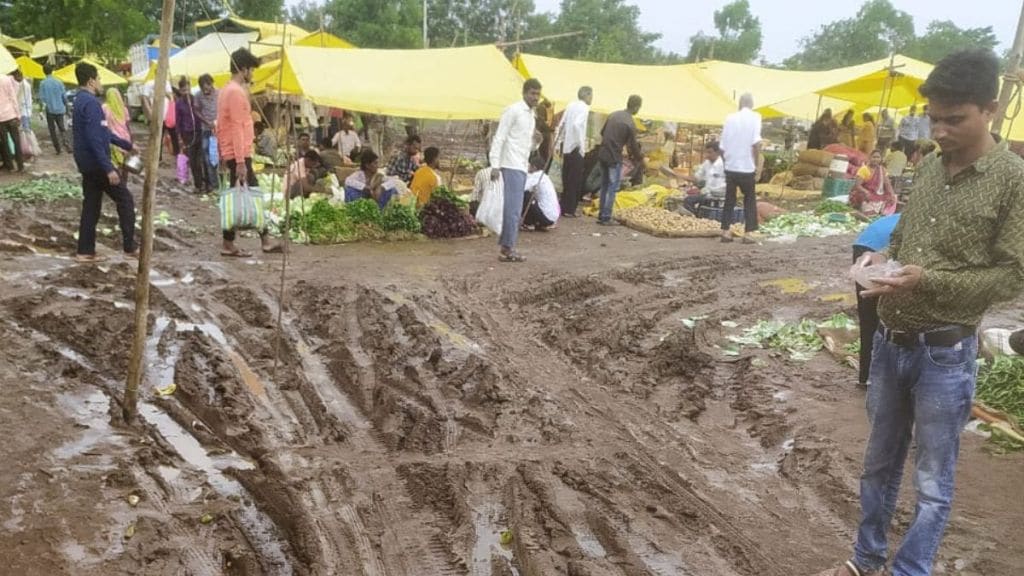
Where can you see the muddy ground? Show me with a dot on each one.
(434, 412)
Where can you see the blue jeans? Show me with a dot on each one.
(924, 392)
(611, 177)
(514, 182)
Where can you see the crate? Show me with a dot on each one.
(837, 187)
(713, 211)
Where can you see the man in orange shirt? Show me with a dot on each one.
(235, 135)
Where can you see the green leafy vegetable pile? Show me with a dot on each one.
(1001, 385)
(42, 190)
(800, 340)
(363, 212)
(832, 207)
(400, 218)
(443, 193)
(806, 224)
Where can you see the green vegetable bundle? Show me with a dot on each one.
(364, 211)
(41, 190)
(400, 218)
(832, 207)
(325, 223)
(443, 193)
(806, 224)
(1001, 385)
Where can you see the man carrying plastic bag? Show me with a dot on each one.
(242, 205)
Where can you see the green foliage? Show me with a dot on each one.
(944, 37)
(610, 33)
(832, 207)
(325, 223)
(877, 29)
(41, 190)
(1001, 385)
(364, 211)
(400, 218)
(444, 193)
(376, 23)
(739, 36)
(266, 10)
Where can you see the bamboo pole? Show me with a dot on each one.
(1011, 81)
(136, 368)
(286, 221)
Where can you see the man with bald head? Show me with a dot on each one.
(741, 145)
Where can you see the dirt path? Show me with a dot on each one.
(431, 403)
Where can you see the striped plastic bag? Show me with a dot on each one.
(241, 209)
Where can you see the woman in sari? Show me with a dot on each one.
(117, 121)
(872, 194)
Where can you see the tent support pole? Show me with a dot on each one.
(136, 367)
(285, 230)
(1011, 80)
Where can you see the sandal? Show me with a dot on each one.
(850, 569)
(275, 249)
(89, 258)
(512, 257)
(236, 253)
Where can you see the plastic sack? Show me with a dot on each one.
(214, 152)
(492, 206)
(182, 168)
(29, 144)
(241, 209)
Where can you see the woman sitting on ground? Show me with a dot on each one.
(873, 194)
(367, 182)
(426, 178)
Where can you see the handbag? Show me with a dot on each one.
(242, 208)
(492, 206)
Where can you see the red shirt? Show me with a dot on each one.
(234, 123)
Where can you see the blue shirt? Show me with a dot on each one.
(876, 236)
(51, 92)
(91, 136)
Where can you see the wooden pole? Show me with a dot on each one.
(1011, 80)
(136, 367)
(286, 221)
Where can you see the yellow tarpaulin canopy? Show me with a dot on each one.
(7, 62)
(16, 44)
(211, 54)
(107, 78)
(873, 84)
(469, 83)
(44, 48)
(670, 93)
(272, 46)
(30, 68)
(266, 29)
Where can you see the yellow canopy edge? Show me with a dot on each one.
(107, 78)
(670, 93)
(44, 48)
(16, 44)
(265, 29)
(470, 83)
(30, 68)
(7, 62)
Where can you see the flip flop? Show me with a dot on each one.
(276, 249)
(512, 257)
(89, 258)
(237, 253)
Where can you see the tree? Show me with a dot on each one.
(102, 27)
(305, 14)
(376, 23)
(265, 10)
(609, 31)
(944, 37)
(739, 36)
(876, 30)
(468, 22)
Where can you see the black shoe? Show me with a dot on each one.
(607, 223)
(570, 215)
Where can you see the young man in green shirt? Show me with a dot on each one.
(961, 245)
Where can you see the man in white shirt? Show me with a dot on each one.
(741, 145)
(924, 125)
(541, 206)
(710, 177)
(346, 139)
(571, 141)
(909, 131)
(509, 158)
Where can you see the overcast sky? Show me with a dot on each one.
(785, 22)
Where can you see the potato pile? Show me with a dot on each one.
(659, 222)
